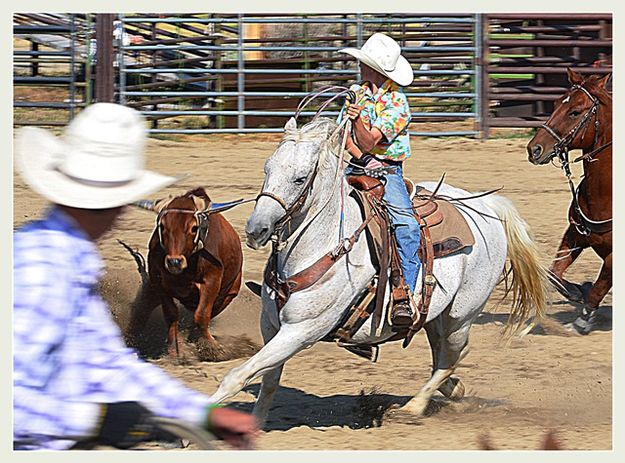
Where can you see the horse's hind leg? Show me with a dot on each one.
(452, 387)
(451, 348)
(571, 247)
(586, 321)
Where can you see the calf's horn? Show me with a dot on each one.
(144, 204)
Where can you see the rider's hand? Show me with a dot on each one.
(353, 111)
(237, 428)
(124, 424)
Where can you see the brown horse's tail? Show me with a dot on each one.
(529, 277)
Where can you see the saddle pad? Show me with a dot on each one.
(452, 233)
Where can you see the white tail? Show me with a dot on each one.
(529, 276)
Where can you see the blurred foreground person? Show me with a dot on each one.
(74, 379)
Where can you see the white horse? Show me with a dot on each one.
(465, 279)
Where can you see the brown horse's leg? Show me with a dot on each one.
(570, 248)
(587, 319)
(171, 314)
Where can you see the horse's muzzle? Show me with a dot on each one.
(536, 154)
(257, 236)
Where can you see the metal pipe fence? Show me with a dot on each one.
(238, 73)
(245, 95)
(51, 63)
(529, 58)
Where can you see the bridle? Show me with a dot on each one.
(289, 211)
(562, 148)
(563, 144)
(295, 207)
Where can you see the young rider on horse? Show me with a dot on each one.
(379, 138)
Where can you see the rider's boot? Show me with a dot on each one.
(402, 314)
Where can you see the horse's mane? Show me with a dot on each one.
(317, 129)
(592, 84)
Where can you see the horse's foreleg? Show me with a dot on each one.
(287, 342)
(271, 379)
(571, 247)
(587, 319)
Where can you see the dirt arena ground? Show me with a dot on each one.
(331, 399)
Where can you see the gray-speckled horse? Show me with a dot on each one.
(305, 171)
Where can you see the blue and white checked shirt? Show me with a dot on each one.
(69, 355)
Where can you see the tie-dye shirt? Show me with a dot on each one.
(388, 110)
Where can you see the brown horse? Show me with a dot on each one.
(582, 119)
(194, 257)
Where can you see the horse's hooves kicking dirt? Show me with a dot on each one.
(228, 348)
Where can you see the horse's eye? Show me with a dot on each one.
(194, 229)
(299, 180)
(574, 113)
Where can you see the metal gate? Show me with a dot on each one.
(202, 73)
(47, 55)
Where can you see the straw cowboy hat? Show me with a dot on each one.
(383, 54)
(96, 164)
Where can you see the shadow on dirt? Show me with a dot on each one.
(556, 322)
(293, 408)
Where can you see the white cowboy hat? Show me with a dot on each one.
(97, 164)
(383, 54)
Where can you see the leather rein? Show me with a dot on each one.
(562, 148)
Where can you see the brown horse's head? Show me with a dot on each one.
(575, 121)
(182, 227)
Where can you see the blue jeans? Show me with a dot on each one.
(407, 232)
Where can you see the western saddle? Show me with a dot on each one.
(444, 231)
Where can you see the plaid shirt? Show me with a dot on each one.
(69, 355)
(388, 110)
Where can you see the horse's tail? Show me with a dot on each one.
(529, 277)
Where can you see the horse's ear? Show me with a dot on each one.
(574, 77)
(290, 125)
(603, 81)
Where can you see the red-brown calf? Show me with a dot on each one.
(194, 257)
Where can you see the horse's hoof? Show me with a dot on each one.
(398, 414)
(453, 389)
(586, 321)
(415, 407)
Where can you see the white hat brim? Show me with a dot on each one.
(37, 156)
(402, 74)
